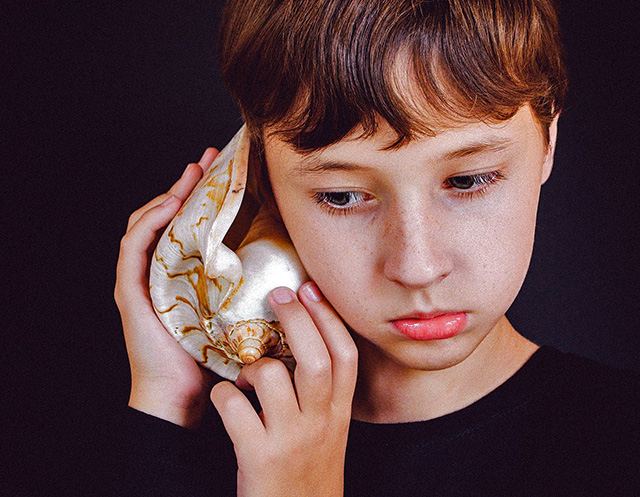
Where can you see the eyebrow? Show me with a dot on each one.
(482, 146)
(317, 167)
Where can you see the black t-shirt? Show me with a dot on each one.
(561, 425)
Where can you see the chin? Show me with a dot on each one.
(432, 355)
(438, 357)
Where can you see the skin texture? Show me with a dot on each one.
(411, 241)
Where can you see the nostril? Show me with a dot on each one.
(416, 265)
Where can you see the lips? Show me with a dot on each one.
(433, 326)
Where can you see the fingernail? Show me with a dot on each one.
(184, 171)
(312, 291)
(282, 295)
(170, 200)
(207, 158)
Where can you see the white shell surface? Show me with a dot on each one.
(201, 289)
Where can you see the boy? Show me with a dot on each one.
(404, 143)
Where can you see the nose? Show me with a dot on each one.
(416, 254)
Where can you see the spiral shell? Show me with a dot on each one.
(214, 300)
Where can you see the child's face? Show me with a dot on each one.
(443, 225)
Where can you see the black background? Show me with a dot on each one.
(102, 107)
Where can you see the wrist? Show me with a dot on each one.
(160, 403)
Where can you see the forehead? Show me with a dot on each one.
(457, 142)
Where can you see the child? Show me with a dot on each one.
(404, 143)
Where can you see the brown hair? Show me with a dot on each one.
(316, 69)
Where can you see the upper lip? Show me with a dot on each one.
(425, 315)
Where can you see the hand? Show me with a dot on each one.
(165, 381)
(296, 445)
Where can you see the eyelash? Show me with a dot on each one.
(325, 200)
(480, 183)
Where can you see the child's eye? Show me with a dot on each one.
(470, 184)
(342, 202)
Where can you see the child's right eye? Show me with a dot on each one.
(468, 185)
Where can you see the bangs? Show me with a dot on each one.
(326, 70)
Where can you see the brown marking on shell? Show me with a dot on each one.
(200, 287)
(183, 256)
(173, 239)
(217, 190)
(217, 284)
(203, 218)
(208, 348)
(181, 210)
(188, 329)
(166, 310)
(228, 301)
(194, 256)
(219, 351)
(161, 261)
(180, 298)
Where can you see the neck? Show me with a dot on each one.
(390, 392)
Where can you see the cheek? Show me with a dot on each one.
(327, 252)
(503, 251)
(333, 259)
(338, 260)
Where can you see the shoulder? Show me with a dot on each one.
(584, 382)
(579, 394)
(589, 418)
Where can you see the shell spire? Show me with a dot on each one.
(214, 300)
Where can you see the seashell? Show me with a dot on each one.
(214, 300)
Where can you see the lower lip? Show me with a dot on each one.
(435, 328)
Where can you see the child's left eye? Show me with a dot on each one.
(468, 184)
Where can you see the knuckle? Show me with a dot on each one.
(125, 243)
(319, 367)
(141, 211)
(135, 215)
(342, 423)
(120, 295)
(117, 295)
(223, 395)
(348, 354)
(320, 433)
(270, 370)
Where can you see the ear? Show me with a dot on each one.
(551, 148)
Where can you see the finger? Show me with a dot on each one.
(271, 381)
(312, 375)
(136, 245)
(342, 349)
(207, 158)
(181, 189)
(189, 179)
(238, 416)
